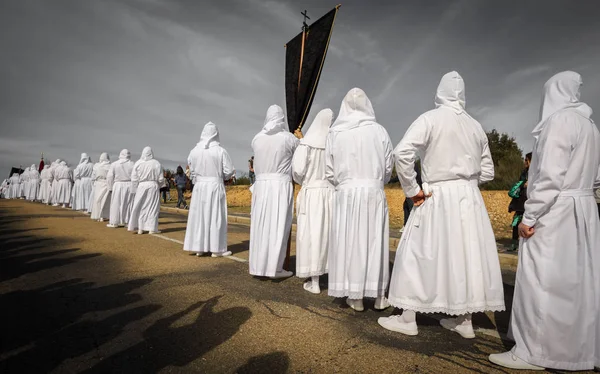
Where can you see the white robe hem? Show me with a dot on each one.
(454, 310)
(549, 364)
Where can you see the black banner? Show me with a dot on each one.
(304, 59)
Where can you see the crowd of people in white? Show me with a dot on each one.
(447, 259)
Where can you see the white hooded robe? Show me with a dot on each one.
(101, 201)
(64, 175)
(358, 159)
(555, 318)
(15, 186)
(119, 182)
(315, 199)
(447, 260)
(272, 194)
(34, 183)
(210, 165)
(45, 185)
(54, 192)
(146, 177)
(82, 190)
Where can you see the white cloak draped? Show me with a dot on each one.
(64, 176)
(315, 199)
(119, 182)
(34, 183)
(447, 260)
(555, 318)
(82, 190)
(15, 186)
(210, 165)
(101, 202)
(24, 185)
(272, 196)
(45, 185)
(358, 157)
(54, 192)
(146, 176)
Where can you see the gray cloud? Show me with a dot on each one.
(94, 76)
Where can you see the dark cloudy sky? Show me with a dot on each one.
(102, 75)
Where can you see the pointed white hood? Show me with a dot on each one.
(210, 136)
(316, 136)
(356, 110)
(451, 93)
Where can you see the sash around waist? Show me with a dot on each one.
(577, 193)
(209, 180)
(357, 183)
(273, 177)
(318, 183)
(456, 182)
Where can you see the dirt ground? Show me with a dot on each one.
(76, 297)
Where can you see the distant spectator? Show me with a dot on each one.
(251, 170)
(517, 205)
(164, 187)
(180, 182)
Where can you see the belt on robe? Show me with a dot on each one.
(318, 183)
(455, 182)
(209, 179)
(577, 193)
(357, 183)
(273, 177)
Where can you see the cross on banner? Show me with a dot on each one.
(304, 25)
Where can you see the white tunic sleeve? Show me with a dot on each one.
(299, 164)
(329, 172)
(487, 164)
(110, 177)
(553, 155)
(135, 179)
(414, 141)
(161, 177)
(228, 169)
(389, 159)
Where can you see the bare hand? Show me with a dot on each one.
(298, 134)
(525, 231)
(420, 198)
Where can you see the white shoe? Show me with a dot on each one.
(111, 226)
(223, 254)
(282, 274)
(199, 254)
(466, 331)
(55, 204)
(509, 360)
(140, 232)
(381, 303)
(100, 220)
(155, 232)
(395, 323)
(311, 287)
(356, 304)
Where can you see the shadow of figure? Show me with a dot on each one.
(271, 363)
(165, 345)
(239, 247)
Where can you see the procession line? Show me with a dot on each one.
(233, 258)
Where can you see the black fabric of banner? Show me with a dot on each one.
(299, 95)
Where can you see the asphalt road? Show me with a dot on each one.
(76, 296)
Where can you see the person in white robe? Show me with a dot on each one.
(272, 196)
(24, 185)
(146, 177)
(64, 175)
(210, 165)
(15, 186)
(82, 189)
(119, 183)
(45, 184)
(447, 260)
(4, 189)
(101, 202)
(54, 191)
(314, 202)
(555, 319)
(34, 183)
(359, 162)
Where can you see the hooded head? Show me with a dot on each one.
(316, 135)
(274, 121)
(451, 93)
(84, 159)
(32, 167)
(562, 91)
(104, 159)
(57, 161)
(16, 175)
(356, 110)
(210, 136)
(46, 166)
(147, 154)
(63, 163)
(124, 156)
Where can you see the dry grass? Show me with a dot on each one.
(239, 197)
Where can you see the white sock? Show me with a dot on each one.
(408, 316)
(315, 281)
(464, 320)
